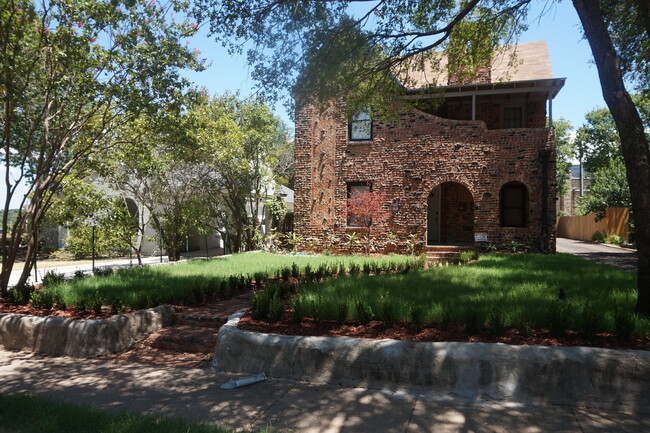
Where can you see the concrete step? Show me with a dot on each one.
(444, 252)
(200, 320)
(184, 338)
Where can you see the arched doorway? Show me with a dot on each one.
(450, 215)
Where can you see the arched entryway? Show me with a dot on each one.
(450, 215)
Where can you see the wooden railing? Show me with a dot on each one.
(582, 227)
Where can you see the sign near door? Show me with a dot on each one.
(480, 237)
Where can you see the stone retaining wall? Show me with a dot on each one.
(81, 338)
(558, 375)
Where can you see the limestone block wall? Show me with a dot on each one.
(81, 338)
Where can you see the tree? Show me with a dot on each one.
(565, 153)
(366, 209)
(608, 189)
(243, 141)
(70, 71)
(357, 56)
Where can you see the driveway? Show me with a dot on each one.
(623, 258)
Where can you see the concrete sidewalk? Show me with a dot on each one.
(285, 405)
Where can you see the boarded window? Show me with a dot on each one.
(514, 200)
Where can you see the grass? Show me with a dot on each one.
(22, 413)
(185, 282)
(498, 291)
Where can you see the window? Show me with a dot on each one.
(513, 199)
(360, 127)
(354, 188)
(513, 117)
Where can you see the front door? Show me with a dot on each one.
(433, 217)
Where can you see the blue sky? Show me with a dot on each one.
(559, 26)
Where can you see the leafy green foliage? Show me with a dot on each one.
(77, 71)
(608, 189)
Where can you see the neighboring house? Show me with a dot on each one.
(478, 168)
(568, 203)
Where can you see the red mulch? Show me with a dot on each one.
(404, 331)
(69, 313)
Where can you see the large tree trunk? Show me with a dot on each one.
(634, 144)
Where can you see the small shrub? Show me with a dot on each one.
(97, 305)
(309, 274)
(52, 278)
(624, 322)
(259, 277)
(558, 318)
(524, 327)
(354, 269)
(416, 314)
(116, 306)
(285, 272)
(388, 312)
(58, 301)
(141, 302)
(363, 312)
(497, 322)
(615, 239)
(276, 308)
(260, 305)
(590, 321)
(104, 271)
(341, 312)
(300, 309)
(467, 256)
(473, 321)
(80, 304)
(515, 246)
(295, 270)
(41, 299)
(21, 295)
(599, 236)
(445, 318)
(233, 283)
(367, 267)
(78, 275)
(342, 269)
(420, 262)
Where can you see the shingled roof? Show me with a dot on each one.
(521, 62)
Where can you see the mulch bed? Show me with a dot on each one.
(404, 331)
(69, 313)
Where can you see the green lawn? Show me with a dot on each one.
(507, 290)
(154, 285)
(22, 413)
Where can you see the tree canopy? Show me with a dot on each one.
(70, 71)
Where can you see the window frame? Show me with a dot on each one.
(355, 120)
(522, 112)
(521, 206)
(349, 186)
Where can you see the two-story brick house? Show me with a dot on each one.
(480, 167)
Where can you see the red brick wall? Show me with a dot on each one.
(404, 162)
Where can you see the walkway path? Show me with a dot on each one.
(298, 407)
(600, 253)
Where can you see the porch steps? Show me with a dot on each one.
(444, 252)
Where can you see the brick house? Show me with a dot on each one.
(478, 168)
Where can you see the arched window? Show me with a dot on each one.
(514, 204)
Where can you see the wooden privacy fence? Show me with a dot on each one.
(582, 227)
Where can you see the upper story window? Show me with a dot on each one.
(360, 127)
(514, 204)
(513, 117)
